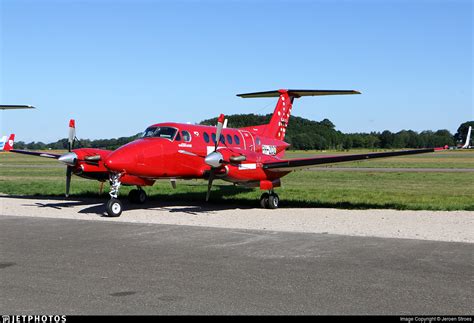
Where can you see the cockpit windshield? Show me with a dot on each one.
(160, 132)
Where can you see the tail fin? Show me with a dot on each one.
(281, 116)
(8, 145)
(468, 139)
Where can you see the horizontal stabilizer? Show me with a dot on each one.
(296, 93)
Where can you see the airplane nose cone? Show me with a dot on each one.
(120, 161)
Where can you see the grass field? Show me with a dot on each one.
(441, 159)
(27, 175)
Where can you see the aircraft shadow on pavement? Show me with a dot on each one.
(190, 202)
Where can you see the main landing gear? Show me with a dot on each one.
(114, 206)
(137, 196)
(269, 200)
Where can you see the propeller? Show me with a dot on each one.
(215, 159)
(71, 158)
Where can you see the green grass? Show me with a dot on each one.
(27, 175)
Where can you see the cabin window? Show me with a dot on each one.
(229, 139)
(237, 140)
(186, 136)
(222, 139)
(178, 137)
(213, 138)
(160, 132)
(206, 137)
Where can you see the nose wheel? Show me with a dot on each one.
(114, 207)
(269, 200)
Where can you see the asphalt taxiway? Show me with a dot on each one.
(64, 257)
(88, 267)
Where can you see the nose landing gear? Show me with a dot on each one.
(114, 206)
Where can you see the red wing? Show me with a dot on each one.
(292, 164)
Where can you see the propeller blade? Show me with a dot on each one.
(209, 184)
(72, 134)
(68, 179)
(220, 125)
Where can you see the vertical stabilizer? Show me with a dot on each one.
(9, 143)
(280, 118)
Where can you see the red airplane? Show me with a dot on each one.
(250, 156)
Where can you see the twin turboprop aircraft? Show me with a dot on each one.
(250, 156)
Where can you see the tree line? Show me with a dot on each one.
(320, 135)
(302, 134)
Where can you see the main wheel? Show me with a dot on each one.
(141, 196)
(273, 201)
(132, 196)
(114, 207)
(137, 196)
(264, 200)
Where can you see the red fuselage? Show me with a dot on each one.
(178, 151)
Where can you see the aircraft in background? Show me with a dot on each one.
(250, 156)
(15, 107)
(11, 107)
(7, 144)
(467, 145)
(2, 142)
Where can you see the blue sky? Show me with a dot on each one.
(118, 66)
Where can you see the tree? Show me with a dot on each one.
(327, 123)
(386, 139)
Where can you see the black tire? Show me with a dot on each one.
(264, 200)
(137, 196)
(141, 196)
(133, 196)
(114, 208)
(273, 201)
